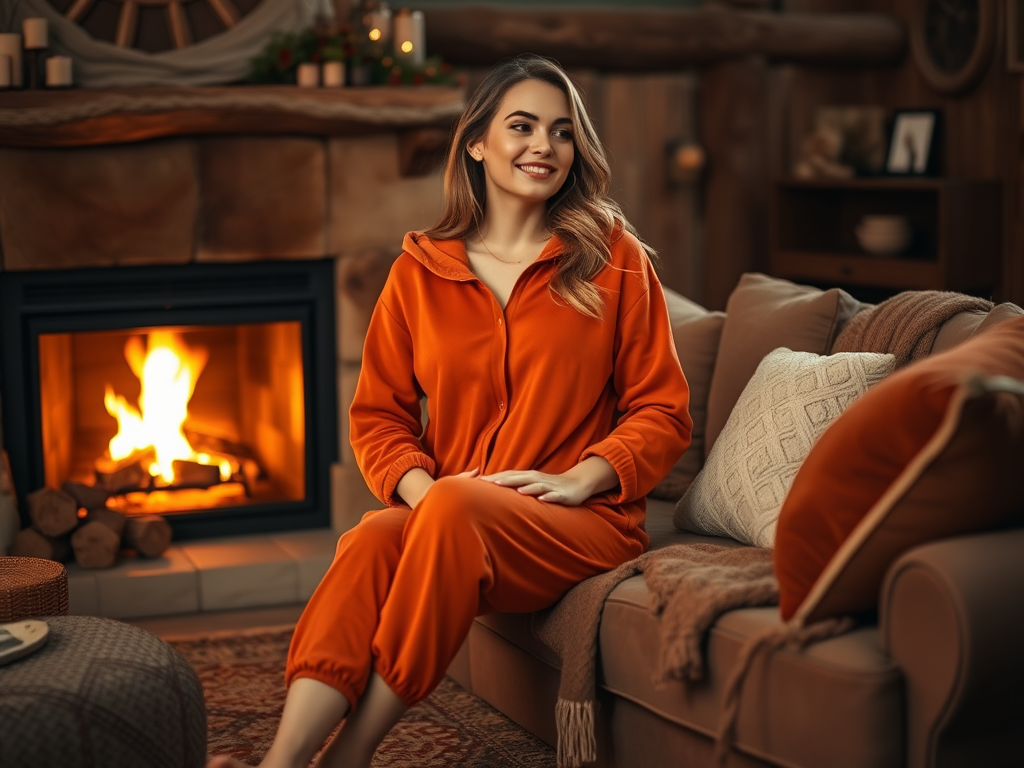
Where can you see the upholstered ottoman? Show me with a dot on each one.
(101, 693)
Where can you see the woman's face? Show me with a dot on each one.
(528, 148)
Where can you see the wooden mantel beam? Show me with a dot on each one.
(648, 40)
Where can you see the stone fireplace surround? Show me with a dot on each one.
(194, 181)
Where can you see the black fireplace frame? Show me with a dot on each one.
(115, 298)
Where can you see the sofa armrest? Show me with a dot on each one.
(952, 617)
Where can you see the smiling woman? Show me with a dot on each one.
(527, 156)
(516, 320)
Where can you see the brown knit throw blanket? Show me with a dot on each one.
(691, 585)
(906, 324)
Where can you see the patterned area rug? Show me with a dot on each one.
(243, 681)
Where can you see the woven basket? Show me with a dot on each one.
(31, 586)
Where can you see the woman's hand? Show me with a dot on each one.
(571, 488)
(416, 482)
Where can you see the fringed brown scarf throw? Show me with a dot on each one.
(691, 585)
(906, 324)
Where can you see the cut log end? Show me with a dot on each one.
(148, 535)
(53, 513)
(31, 543)
(95, 545)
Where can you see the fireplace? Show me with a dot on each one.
(261, 424)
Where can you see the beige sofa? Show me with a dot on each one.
(933, 679)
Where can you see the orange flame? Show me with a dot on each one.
(168, 371)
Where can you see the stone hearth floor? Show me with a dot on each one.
(203, 576)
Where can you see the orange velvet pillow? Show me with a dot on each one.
(935, 450)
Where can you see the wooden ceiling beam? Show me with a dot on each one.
(645, 40)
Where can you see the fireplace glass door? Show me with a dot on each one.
(210, 400)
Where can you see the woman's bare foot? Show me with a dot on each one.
(312, 710)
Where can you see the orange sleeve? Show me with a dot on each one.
(385, 416)
(653, 397)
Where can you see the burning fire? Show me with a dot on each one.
(168, 371)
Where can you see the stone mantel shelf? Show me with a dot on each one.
(89, 117)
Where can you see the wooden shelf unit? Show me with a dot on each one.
(956, 246)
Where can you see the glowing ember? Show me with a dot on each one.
(167, 371)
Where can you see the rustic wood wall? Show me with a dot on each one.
(639, 118)
(983, 127)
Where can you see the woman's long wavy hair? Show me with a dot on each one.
(581, 213)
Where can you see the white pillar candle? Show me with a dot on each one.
(410, 36)
(10, 45)
(309, 75)
(380, 25)
(35, 33)
(5, 71)
(334, 74)
(58, 72)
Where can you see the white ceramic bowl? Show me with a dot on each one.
(883, 235)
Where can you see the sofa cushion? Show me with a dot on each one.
(764, 313)
(964, 325)
(696, 332)
(837, 704)
(935, 450)
(787, 404)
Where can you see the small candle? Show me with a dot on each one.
(410, 36)
(58, 72)
(334, 74)
(10, 46)
(35, 33)
(5, 71)
(380, 25)
(309, 75)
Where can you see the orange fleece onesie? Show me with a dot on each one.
(536, 386)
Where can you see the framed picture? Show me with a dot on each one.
(914, 143)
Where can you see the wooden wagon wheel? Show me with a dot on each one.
(175, 18)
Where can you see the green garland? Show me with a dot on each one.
(279, 61)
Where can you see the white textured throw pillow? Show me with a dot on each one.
(787, 404)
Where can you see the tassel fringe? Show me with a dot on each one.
(577, 740)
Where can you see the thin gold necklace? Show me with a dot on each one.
(484, 244)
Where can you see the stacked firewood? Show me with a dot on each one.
(75, 522)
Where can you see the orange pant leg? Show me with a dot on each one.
(470, 547)
(333, 637)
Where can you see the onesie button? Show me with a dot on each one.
(499, 321)
(501, 406)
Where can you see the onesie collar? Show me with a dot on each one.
(448, 259)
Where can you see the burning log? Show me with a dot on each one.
(149, 535)
(53, 513)
(31, 543)
(191, 474)
(203, 443)
(124, 475)
(89, 496)
(96, 545)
